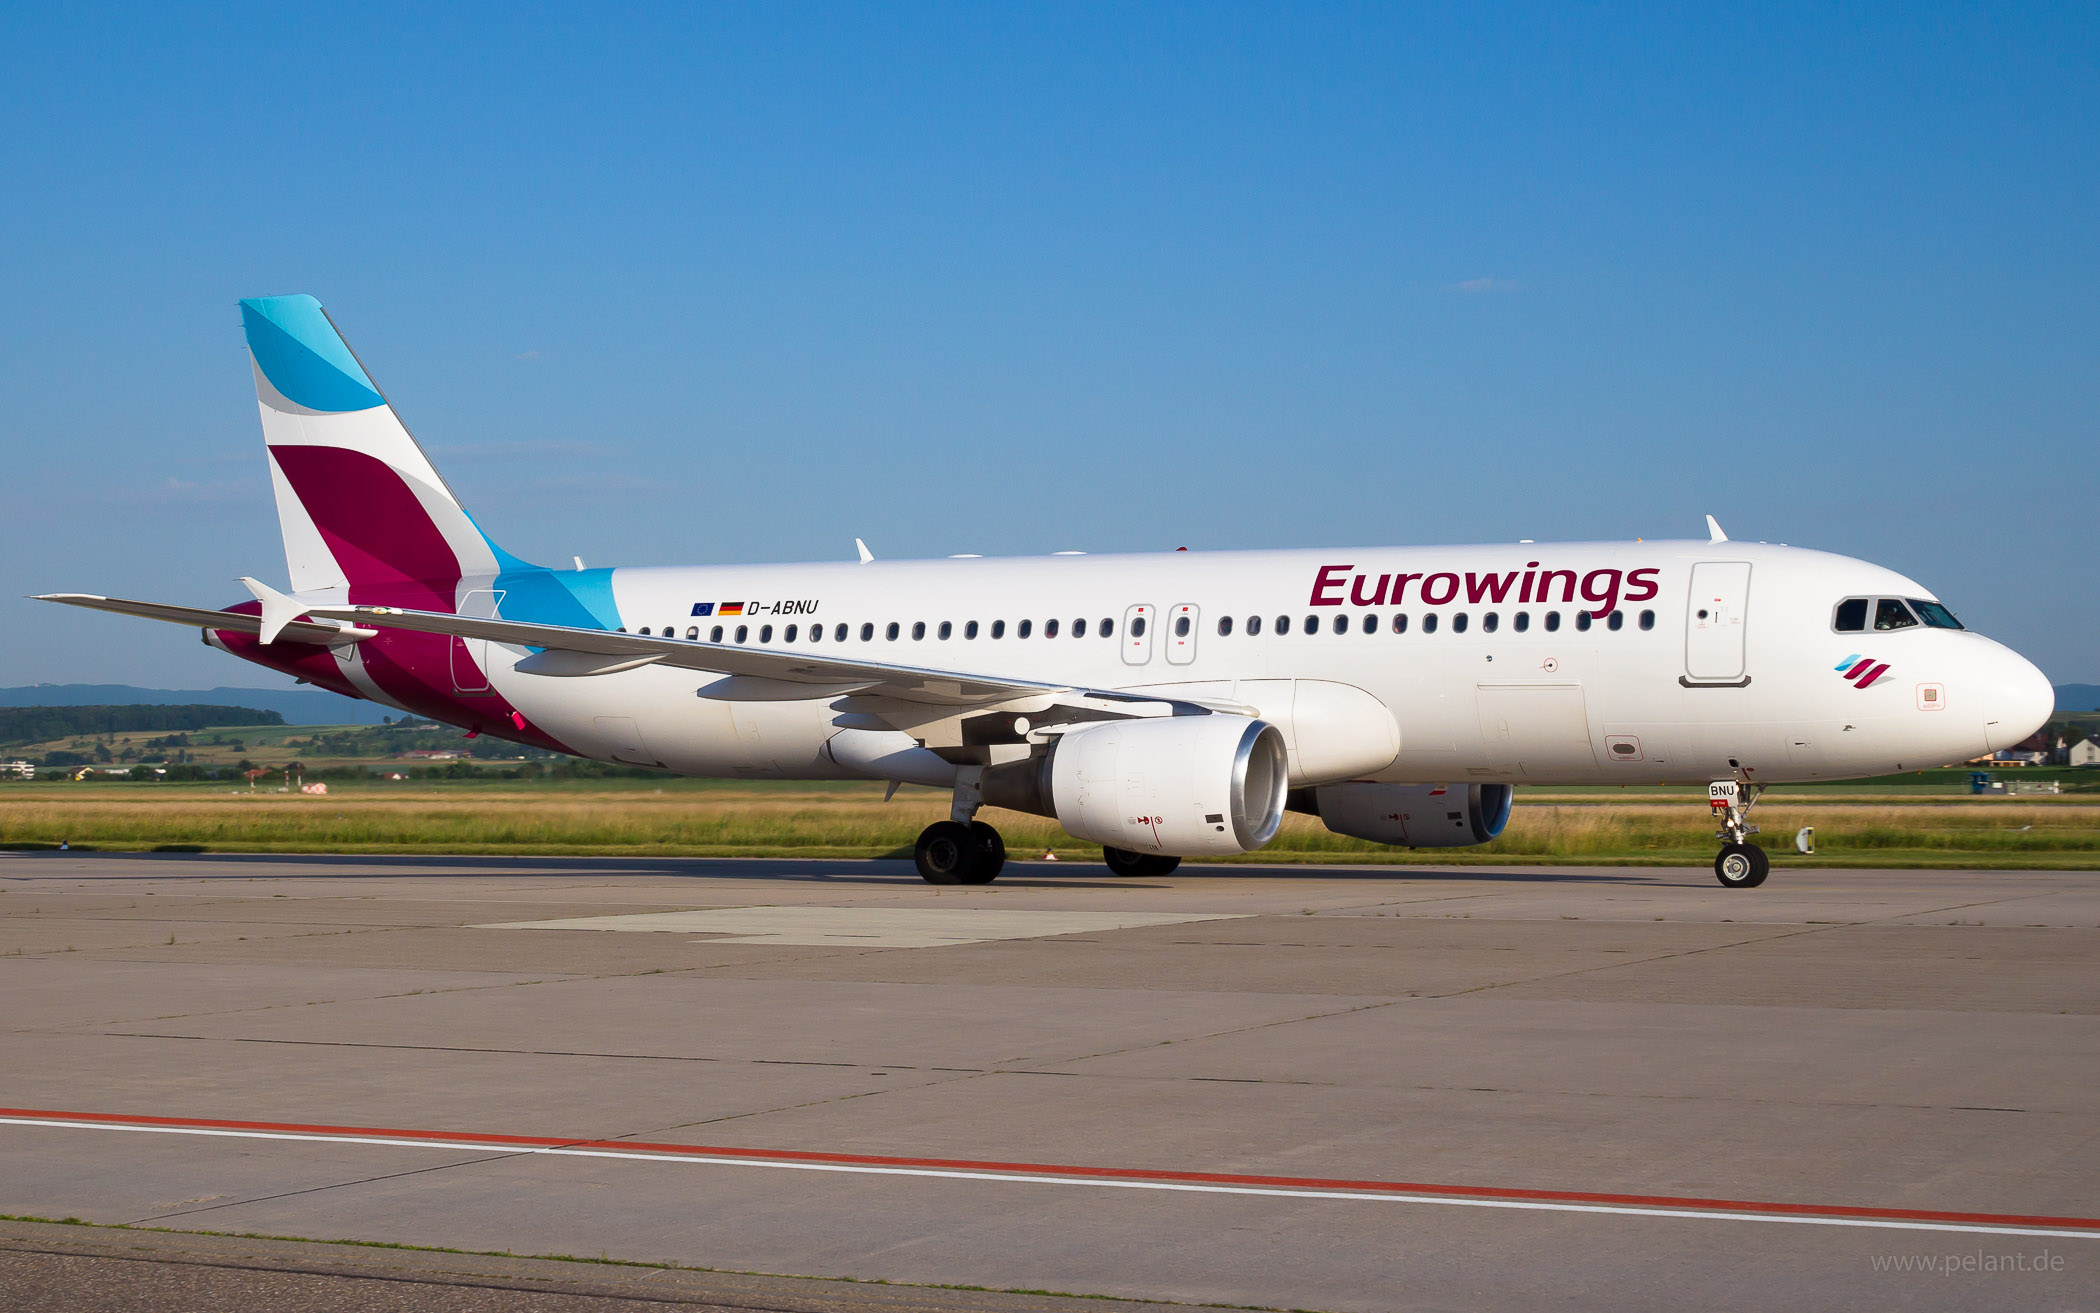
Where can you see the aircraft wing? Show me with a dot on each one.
(751, 673)
(197, 617)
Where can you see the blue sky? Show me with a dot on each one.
(713, 283)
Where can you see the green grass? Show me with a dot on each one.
(741, 819)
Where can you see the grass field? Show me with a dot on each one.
(694, 818)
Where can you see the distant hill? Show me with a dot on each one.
(42, 724)
(2078, 697)
(298, 706)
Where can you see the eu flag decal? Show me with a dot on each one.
(703, 608)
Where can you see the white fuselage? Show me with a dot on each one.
(1739, 678)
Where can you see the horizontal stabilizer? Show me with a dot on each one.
(328, 632)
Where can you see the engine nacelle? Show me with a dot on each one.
(1410, 815)
(1185, 786)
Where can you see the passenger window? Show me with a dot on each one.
(1341, 624)
(765, 633)
(970, 630)
(1224, 626)
(867, 631)
(743, 632)
(1617, 620)
(1851, 616)
(1490, 622)
(945, 630)
(1108, 628)
(1023, 629)
(1647, 619)
(1458, 623)
(1552, 622)
(715, 635)
(838, 635)
(1253, 626)
(1079, 627)
(1370, 624)
(1137, 627)
(1399, 622)
(1892, 614)
(1049, 628)
(891, 632)
(1312, 625)
(692, 633)
(645, 631)
(1523, 621)
(816, 634)
(1181, 626)
(998, 629)
(1582, 620)
(1429, 622)
(918, 630)
(789, 636)
(1937, 616)
(1283, 625)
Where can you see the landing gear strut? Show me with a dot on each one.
(1741, 864)
(961, 849)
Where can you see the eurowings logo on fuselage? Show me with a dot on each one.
(1862, 671)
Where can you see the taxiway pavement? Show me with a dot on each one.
(1330, 1088)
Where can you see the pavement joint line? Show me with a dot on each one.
(322, 1189)
(508, 1147)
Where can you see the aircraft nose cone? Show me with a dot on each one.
(2017, 701)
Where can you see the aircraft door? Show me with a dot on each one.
(1714, 614)
(1137, 635)
(470, 656)
(1181, 634)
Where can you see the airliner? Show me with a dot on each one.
(1163, 705)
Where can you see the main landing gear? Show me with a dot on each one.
(1741, 864)
(961, 849)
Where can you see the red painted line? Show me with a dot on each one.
(1081, 1172)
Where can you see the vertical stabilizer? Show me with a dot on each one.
(364, 513)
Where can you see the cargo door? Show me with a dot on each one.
(1537, 731)
(1714, 616)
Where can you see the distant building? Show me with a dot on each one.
(2085, 752)
(432, 754)
(17, 770)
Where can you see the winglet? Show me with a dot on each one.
(865, 555)
(277, 609)
(1713, 531)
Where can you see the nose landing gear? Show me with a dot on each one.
(1741, 863)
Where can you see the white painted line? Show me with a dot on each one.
(1017, 1178)
(868, 927)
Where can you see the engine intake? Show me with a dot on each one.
(1186, 786)
(1410, 815)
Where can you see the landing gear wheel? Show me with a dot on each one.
(949, 852)
(1128, 864)
(1742, 866)
(991, 854)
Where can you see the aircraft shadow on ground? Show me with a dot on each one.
(871, 871)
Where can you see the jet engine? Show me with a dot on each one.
(1184, 786)
(1410, 815)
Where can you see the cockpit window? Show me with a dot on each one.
(1889, 613)
(1939, 617)
(1851, 615)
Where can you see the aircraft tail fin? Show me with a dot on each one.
(363, 511)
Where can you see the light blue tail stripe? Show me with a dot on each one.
(303, 356)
